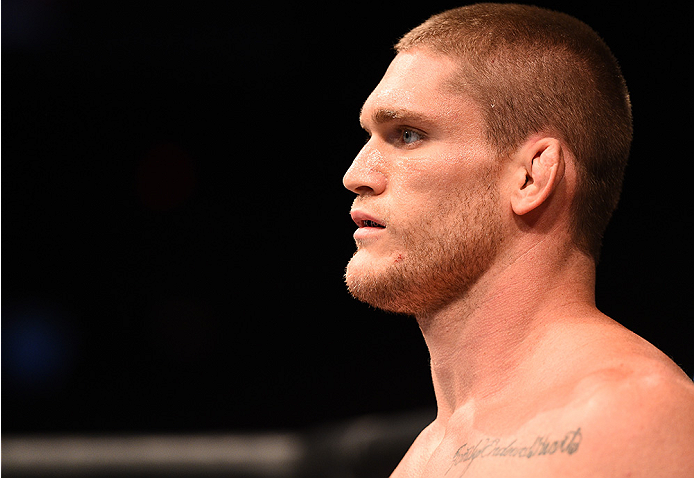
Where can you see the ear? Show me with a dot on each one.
(540, 168)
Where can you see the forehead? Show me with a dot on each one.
(417, 84)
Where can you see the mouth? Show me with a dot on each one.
(368, 223)
(369, 227)
(364, 220)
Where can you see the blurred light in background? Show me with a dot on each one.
(31, 24)
(367, 447)
(38, 347)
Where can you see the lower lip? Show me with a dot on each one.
(367, 232)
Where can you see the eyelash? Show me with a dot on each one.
(411, 131)
(400, 133)
(397, 136)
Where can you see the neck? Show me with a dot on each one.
(479, 342)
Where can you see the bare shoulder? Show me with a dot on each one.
(419, 454)
(596, 401)
(637, 417)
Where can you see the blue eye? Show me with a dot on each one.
(409, 136)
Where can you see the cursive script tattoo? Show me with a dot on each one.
(488, 448)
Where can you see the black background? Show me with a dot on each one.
(175, 228)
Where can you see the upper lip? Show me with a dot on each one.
(364, 219)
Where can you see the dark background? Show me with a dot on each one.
(175, 228)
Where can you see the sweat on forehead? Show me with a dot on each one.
(416, 90)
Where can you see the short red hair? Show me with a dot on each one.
(535, 70)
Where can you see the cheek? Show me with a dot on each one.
(438, 167)
(431, 190)
(423, 188)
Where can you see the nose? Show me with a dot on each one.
(364, 176)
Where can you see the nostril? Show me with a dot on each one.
(364, 190)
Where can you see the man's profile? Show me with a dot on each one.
(498, 139)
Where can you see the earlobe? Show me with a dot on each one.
(540, 169)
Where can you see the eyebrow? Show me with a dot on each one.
(385, 115)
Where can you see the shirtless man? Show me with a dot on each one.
(497, 144)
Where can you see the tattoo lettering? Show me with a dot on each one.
(494, 448)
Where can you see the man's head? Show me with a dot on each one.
(533, 70)
(468, 89)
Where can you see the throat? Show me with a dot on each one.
(476, 360)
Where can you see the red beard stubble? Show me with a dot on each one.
(443, 254)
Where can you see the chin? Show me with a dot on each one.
(362, 267)
(379, 282)
(368, 265)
